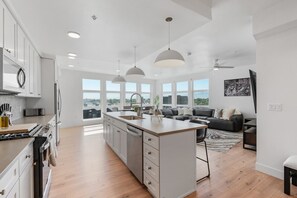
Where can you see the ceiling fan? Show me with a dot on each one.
(218, 66)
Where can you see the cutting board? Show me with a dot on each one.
(18, 128)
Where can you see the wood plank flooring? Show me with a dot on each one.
(88, 168)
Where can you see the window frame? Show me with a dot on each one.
(167, 92)
(116, 92)
(181, 92)
(146, 92)
(91, 91)
(200, 90)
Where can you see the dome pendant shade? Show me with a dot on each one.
(170, 58)
(118, 79)
(135, 71)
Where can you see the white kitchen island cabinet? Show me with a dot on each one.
(169, 152)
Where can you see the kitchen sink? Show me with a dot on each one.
(131, 117)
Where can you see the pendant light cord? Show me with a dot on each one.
(169, 35)
(135, 56)
(119, 68)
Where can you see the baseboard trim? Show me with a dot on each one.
(270, 171)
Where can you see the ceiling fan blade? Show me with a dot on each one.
(226, 67)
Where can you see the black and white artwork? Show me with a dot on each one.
(237, 87)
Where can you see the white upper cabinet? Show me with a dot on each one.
(17, 46)
(37, 74)
(1, 23)
(10, 27)
(21, 46)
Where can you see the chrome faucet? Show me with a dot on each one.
(139, 111)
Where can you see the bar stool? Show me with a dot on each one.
(200, 137)
(290, 171)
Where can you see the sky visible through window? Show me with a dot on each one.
(112, 86)
(130, 87)
(167, 87)
(182, 86)
(145, 88)
(201, 84)
(91, 85)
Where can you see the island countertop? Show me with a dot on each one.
(164, 127)
(9, 151)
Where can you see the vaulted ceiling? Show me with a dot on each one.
(201, 30)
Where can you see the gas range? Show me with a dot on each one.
(36, 131)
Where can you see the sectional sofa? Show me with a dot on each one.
(234, 123)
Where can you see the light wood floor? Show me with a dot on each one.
(88, 168)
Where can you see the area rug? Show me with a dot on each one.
(221, 141)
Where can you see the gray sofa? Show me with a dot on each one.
(234, 124)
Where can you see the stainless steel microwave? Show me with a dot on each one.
(12, 75)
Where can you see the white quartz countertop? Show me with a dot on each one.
(10, 150)
(43, 120)
(155, 127)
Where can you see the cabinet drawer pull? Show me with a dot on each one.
(118, 131)
(2, 192)
(149, 168)
(149, 139)
(149, 183)
(28, 156)
(149, 153)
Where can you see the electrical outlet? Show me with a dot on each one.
(274, 107)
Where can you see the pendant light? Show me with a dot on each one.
(135, 71)
(119, 78)
(169, 58)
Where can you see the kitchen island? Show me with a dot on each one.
(167, 151)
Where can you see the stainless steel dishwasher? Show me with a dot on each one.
(134, 151)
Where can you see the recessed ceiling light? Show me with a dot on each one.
(71, 57)
(156, 75)
(118, 70)
(72, 54)
(70, 65)
(73, 35)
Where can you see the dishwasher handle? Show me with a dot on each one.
(134, 131)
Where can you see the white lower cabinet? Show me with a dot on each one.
(18, 182)
(26, 182)
(123, 146)
(169, 164)
(15, 191)
(116, 140)
(116, 136)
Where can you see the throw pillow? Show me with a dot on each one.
(218, 113)
(237, 112)
(180, 111)
(227, 113)
(188, 111)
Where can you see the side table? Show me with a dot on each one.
(250, 134)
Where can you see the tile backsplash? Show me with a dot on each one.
(18, 105)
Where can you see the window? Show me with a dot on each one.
(130, 89)
(91, 99)
(182, 95)
(113, 95)
(167, 94)
(201, 92)
(146, 94)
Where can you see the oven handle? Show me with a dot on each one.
(45, 147)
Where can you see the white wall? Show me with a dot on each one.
(244, 104)
(216, 87)
(71, 92)
(47, 88)
(277, 80)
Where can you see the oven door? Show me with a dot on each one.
(46, 169)
(13, 76)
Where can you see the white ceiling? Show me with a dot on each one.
(123, 24)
